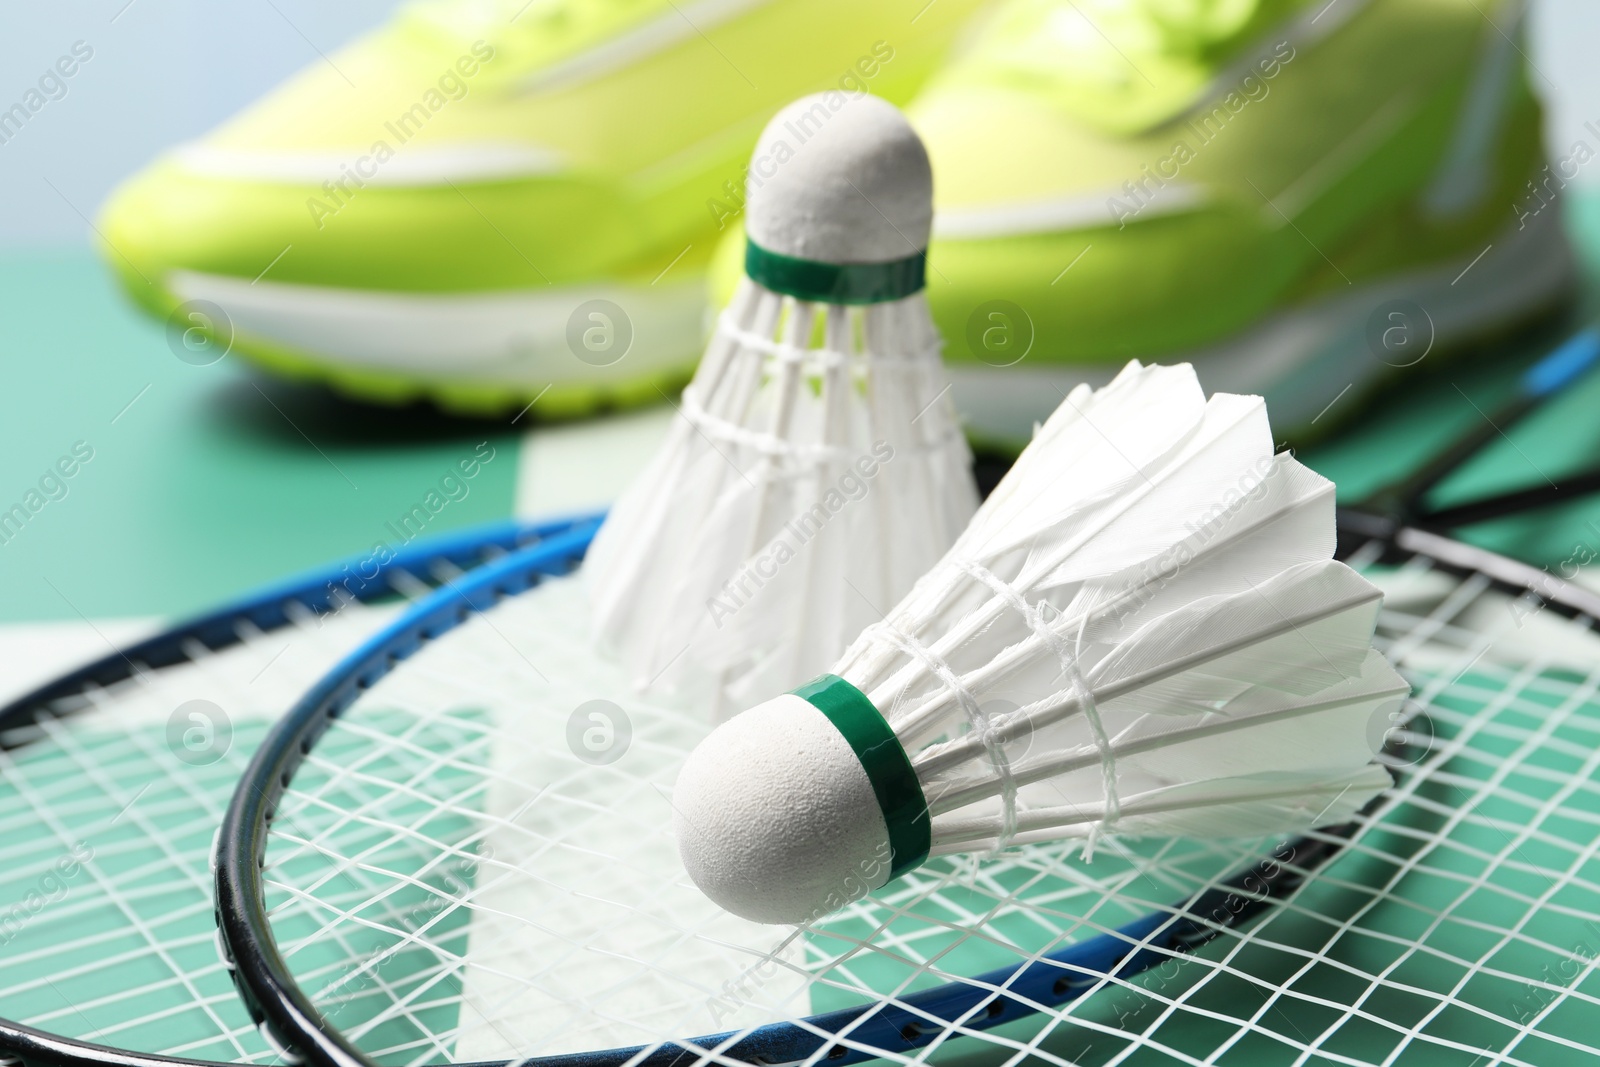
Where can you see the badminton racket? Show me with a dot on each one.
(452, 852)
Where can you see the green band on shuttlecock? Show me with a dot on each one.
(894, 781)
(834, 283)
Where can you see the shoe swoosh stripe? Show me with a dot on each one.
(681, 23)
(1335, 166)
(407, 167)
(1063, 213)
(1466, 172)
(516, 335)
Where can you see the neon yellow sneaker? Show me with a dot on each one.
(489, 201)
(1294, 196)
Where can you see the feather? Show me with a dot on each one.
(1250, 806)
(1141, 632)
(1148, 602)
(804, 466)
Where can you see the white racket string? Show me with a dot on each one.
(1274, 992)
(111, 793)
(123, 952)
(1453, 920)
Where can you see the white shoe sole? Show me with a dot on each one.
(521, 340)
(1305, 360)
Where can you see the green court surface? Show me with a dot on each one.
(208, 480)
(205, 480)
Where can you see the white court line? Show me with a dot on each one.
(586, 464)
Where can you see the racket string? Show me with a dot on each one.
(1481, 883)
(125, 954)
(19, 780)
(1434, 624)
(1441, 880)
(360, 871)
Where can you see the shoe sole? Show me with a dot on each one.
(1306, 360)
(509, 351)
(571, 350)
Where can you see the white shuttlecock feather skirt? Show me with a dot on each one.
(817, 470)
(1142, 631)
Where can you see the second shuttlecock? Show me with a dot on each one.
(818, 468)
(1142, 632)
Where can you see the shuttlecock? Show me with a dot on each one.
(818, 469)
(1141, 632)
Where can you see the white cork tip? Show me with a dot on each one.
(775, 817)
(840, 178)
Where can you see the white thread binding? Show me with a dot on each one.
(1033, 615)
(977, 720)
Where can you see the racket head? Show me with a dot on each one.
(1033, 954)
(113, 778)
